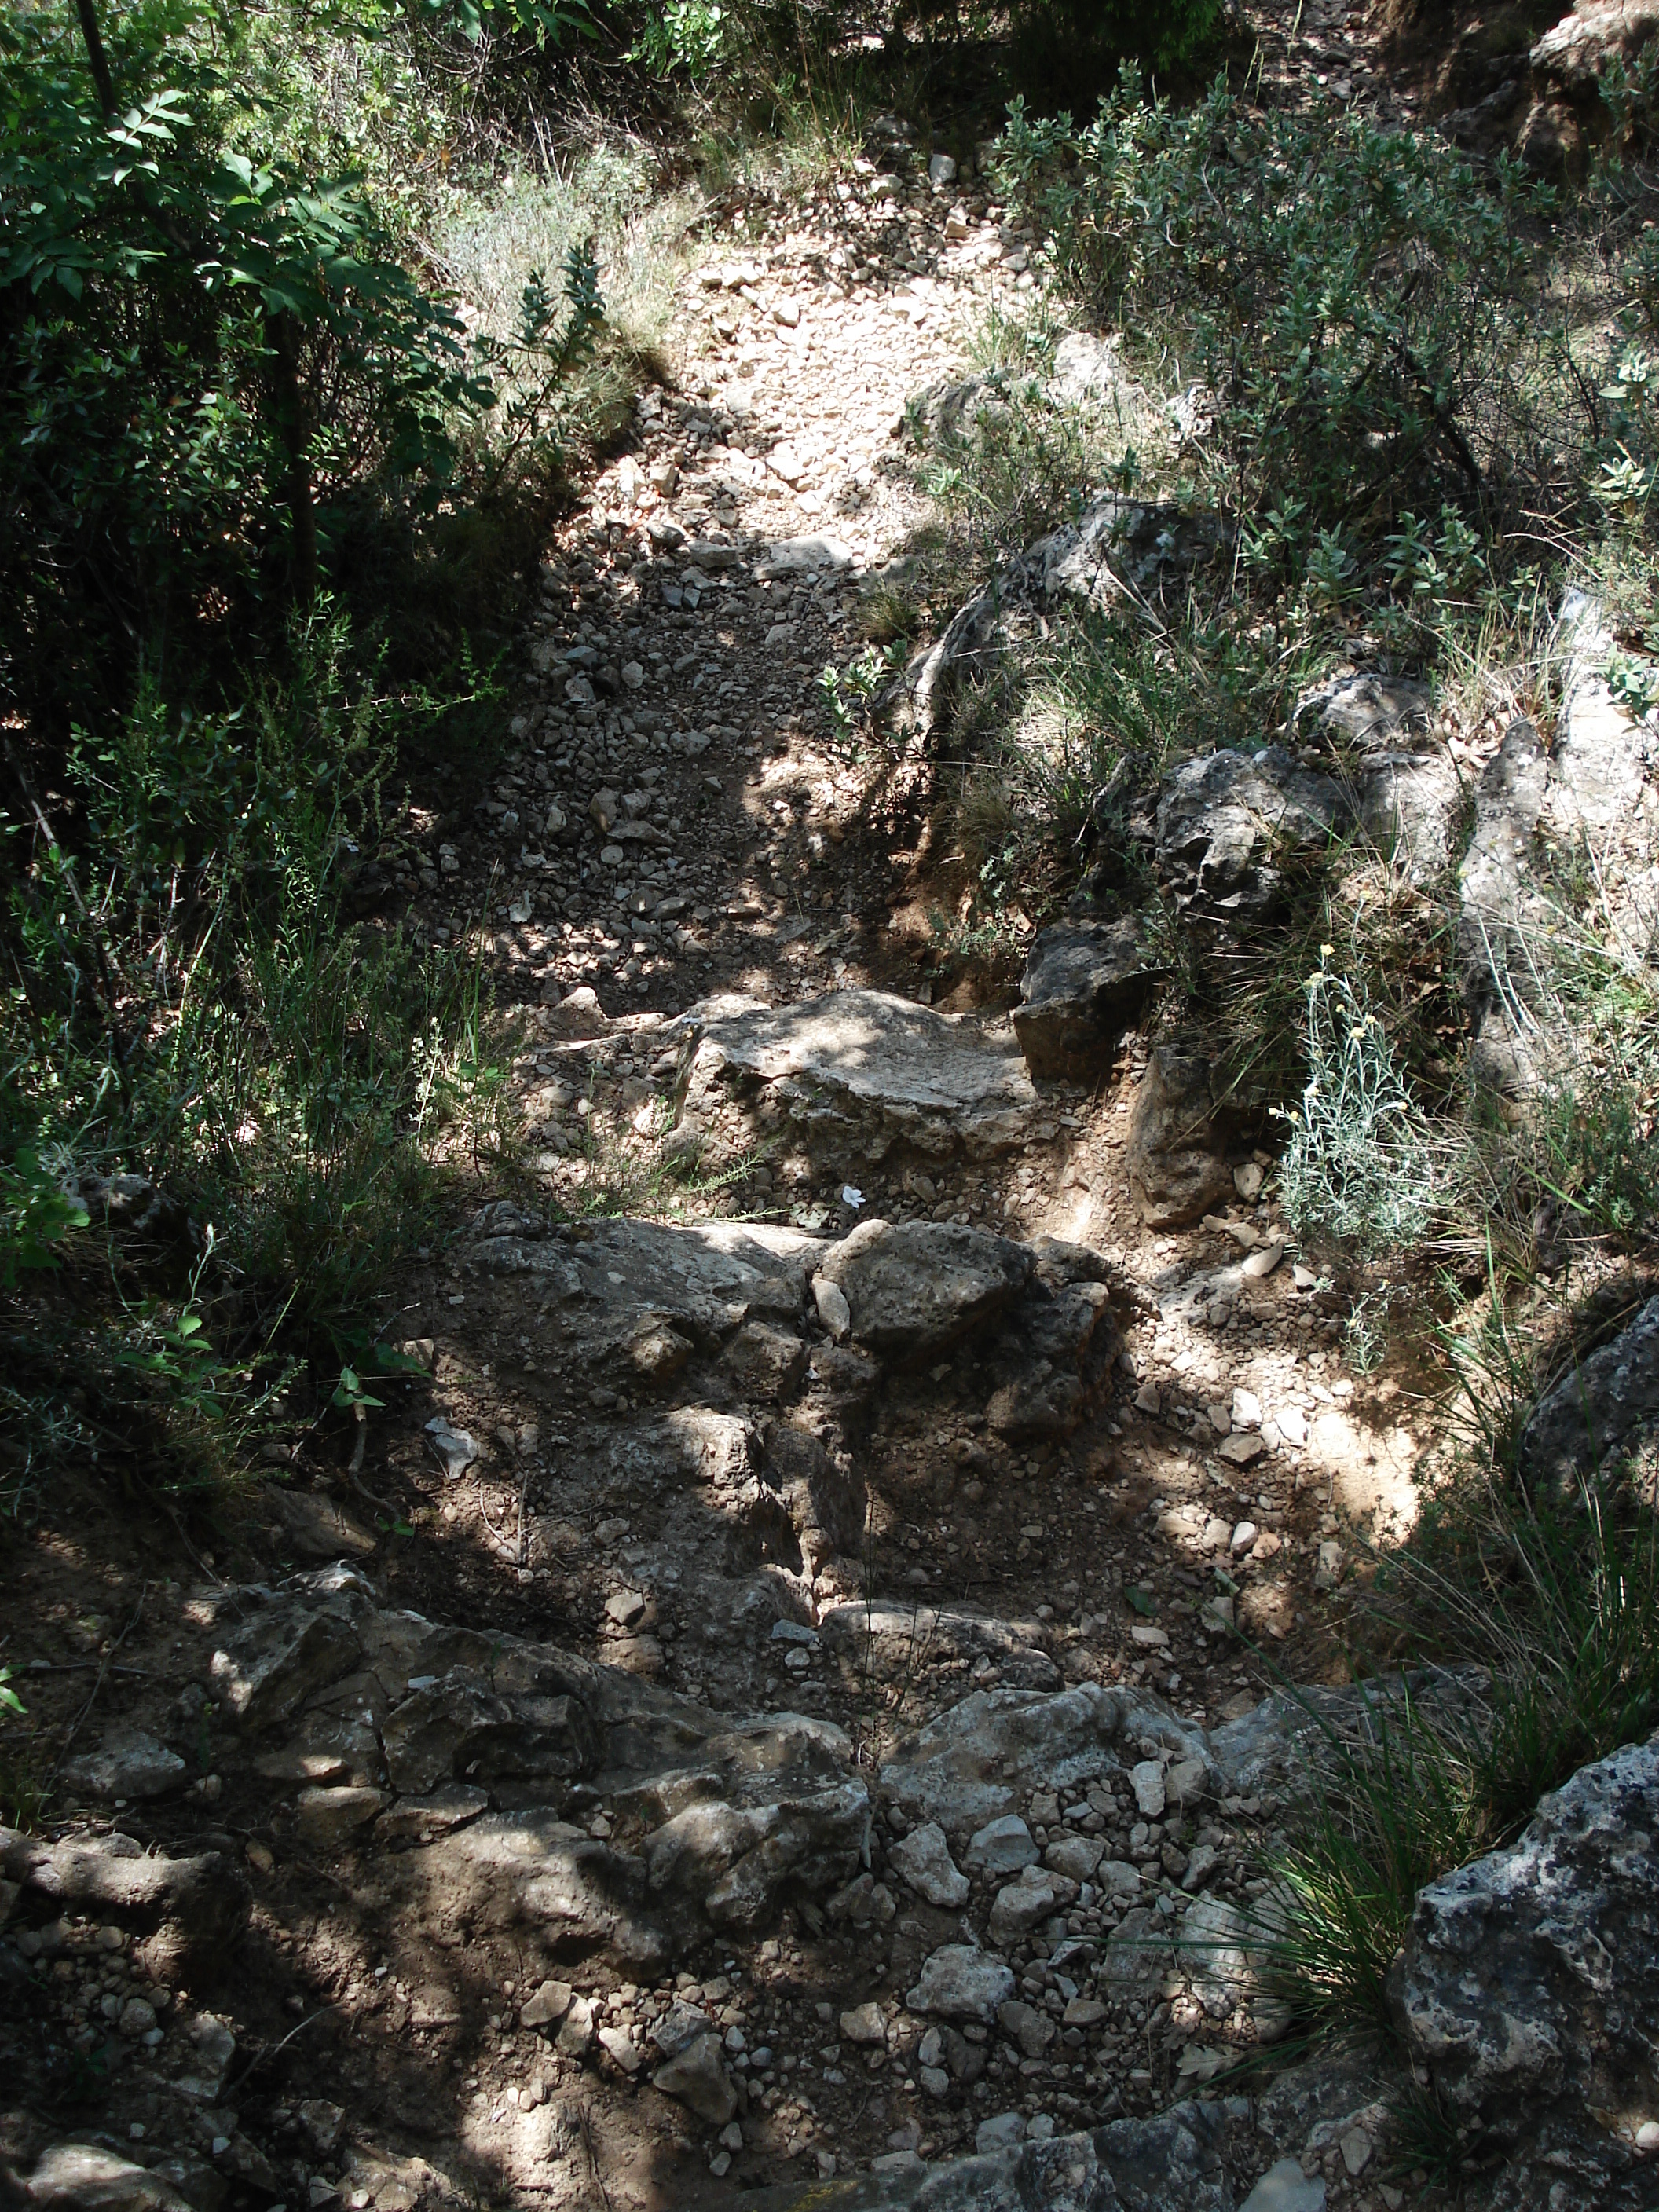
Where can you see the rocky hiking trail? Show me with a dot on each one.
(788, 1698)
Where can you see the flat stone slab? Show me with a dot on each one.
(859, 1073)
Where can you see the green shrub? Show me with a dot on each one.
(1360, 309)
(210, 354)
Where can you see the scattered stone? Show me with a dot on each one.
(326, 1819)
(697, 2077)
(549, 2003)
(127, 1764)
(1284, 2188)
(864, 2025)
(1001, 1846)
(962, 1982)
(455, 1448)
(922, 1860)
(1146, 1780)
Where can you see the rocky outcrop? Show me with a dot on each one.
(1117, 548)
(477, 1748)
(1527, 1988)
(1408, 794)
(1234, 829)
(857, 1075)
(731, 1311)
(1506, 918)
(1128, 2166)
(1084, 982)
(1176, 1160)
(1603, 1405)
(972, 1764)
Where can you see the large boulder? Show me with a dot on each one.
(857, 1073)
(1235, 830)
(1527, 1987)
(1084, 982)
(1602, 1405)
(1572, 54)
(1177, 1150)
(914, 1287)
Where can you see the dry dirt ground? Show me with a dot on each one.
(669, 684)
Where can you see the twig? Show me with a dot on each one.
(584, 2121)
(92, 1698)
(260, 2055)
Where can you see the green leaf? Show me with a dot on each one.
(1142, 1600)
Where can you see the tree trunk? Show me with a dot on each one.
(97, 59)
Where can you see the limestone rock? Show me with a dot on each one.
(127, 1764)
(1128, 2166)
(857, 1073)
(1229, 826)
(268, 1669)
(960, 1982)
(189, 1908)
(1574, 52)
(1053, 1352)
(922, 1860)
(1411, 806)
(79, 2177)
(1506, 917)
(1527, 1987)
(1023, 2025)
(1084, 983)
(1284, 2188)
(1034, 1896)
(317, 1527)
(696, 2075)
(1176, 1159)
(1367, 714)
(977, 1760)
(1598, 1406)
(914, 1287)
(1004, 1845)
(891, 1640)
(1087, 370)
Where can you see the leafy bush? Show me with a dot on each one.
(1359, 308)
(209, 353)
